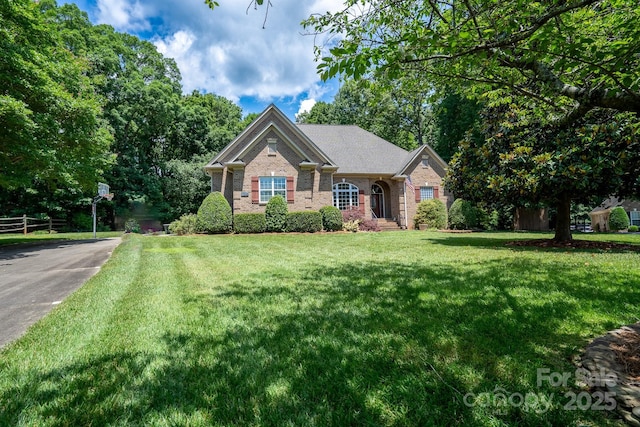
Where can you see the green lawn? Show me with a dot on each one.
(396, 328)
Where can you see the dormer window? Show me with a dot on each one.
(425, 161)
(272, 145)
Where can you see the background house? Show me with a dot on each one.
(600, 215)
(313, 166)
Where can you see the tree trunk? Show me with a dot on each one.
(563, 220)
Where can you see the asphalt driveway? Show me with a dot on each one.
(35, 278)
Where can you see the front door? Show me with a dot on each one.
(377, 201)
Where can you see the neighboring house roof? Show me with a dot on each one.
(627, 204)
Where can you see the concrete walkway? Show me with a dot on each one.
(34, 278)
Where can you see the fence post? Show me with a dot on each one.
(24, 223)
(50, 225)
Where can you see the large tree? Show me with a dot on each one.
(51, 130)
(506, 160)
(567, 56)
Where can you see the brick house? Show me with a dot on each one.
(313, 166)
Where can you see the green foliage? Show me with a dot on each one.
(431, 212)
(633, 228)
(186, 224)
(132, 226)
(184, 185)
(276, 214)
(51, 130)
(507, 162)
(618, 219)
(494, 49)
(331, 218)
(304, 222)
(249, 223)
(463, 215)
(214, 215)
(454, 115)
(82, 221)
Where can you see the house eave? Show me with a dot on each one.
(306, 165)
(236, 165)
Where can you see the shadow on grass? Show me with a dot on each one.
(353, 344)
(538, 243)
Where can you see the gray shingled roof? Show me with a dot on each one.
(355, 151)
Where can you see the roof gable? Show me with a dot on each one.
(418, 153)
(272, 120)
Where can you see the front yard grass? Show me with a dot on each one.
(397, 328)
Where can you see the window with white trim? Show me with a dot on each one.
(272, 186)
(345, 195)
(634, 218)
(426, 193)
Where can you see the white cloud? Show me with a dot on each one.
(227, 51)
(123, 15)
(306, 106)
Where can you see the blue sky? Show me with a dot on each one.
(226, 51)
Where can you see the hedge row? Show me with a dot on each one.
(248, 223)
(300, 222)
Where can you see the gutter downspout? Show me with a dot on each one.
(404, 190)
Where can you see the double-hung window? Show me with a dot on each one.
(272, 186)
(634, 217)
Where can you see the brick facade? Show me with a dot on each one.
(273, 147)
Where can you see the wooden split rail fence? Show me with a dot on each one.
(24, 224)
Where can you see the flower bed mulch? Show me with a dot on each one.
(575, 244)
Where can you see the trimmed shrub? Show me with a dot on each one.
(369, 225)
(132, 226)
(634, 229)
(249, 223)
(214, 215)
(431, 212)
(187, 224)
(331, 218)
(276, 214)
(304, 222)
(463, 215)
(618, 219)
(351, 219)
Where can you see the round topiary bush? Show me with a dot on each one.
(463, 215)
(331, 218)
(431, 212)
(276, 214)
(618, 219)
(214, 215)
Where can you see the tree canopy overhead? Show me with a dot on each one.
(566, 56)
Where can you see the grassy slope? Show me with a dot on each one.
(367, 328)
